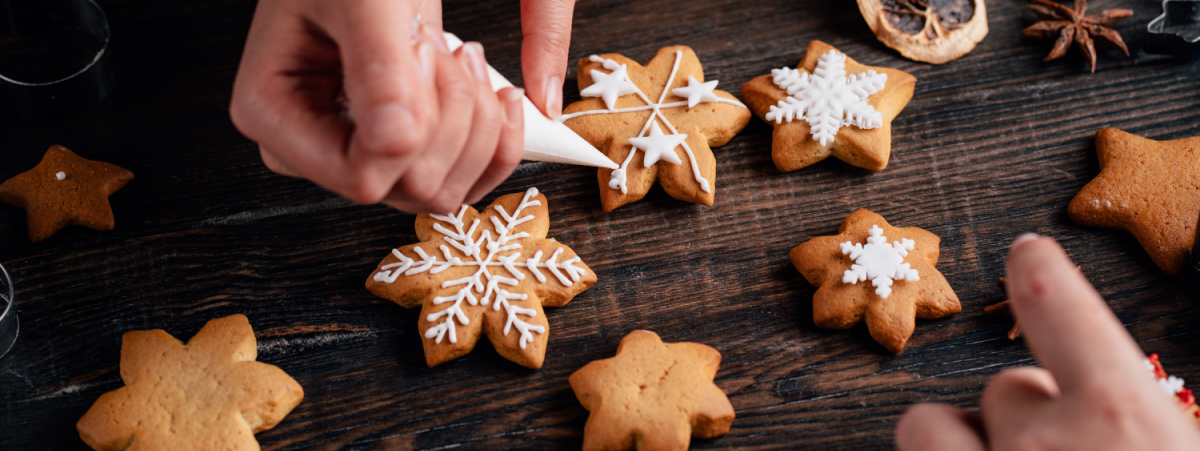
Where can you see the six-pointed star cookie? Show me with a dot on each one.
(208, 394)
(652, 395)
(828, 262)
(832, 92)
(1150, 188)
(65, 189)
(665, 112)
(488, 272)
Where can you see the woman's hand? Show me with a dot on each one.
(427, 133)
(1094, 392)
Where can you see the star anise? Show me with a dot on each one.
(1071, 25)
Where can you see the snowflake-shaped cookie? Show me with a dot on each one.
(665, 110)
(830, 106)
(485, 272)
(879, 262)
(205, 395)
(835, 265)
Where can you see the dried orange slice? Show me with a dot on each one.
(931, 31)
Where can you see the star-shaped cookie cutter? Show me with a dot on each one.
(1177, 31)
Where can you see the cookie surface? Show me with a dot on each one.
(64, 189)
(205, 395)
(878, 273)
(488, 272)
(652, 396)
(1149, 188)
(830, 105)
(658, 122)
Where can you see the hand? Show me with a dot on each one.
(1095, 391)
(546, 25)
(427, 133)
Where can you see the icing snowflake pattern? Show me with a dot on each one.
(498, 263)
(879, 262)
(651, 141)
(827, 98)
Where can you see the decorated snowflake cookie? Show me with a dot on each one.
(830, 106)
(487, 272)
(665, 112)
(878, 273)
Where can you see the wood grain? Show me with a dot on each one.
(992, 145)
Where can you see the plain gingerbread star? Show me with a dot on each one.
(610, 115)
(488, 272)
(208, 394)
(792, 145)
(65, 189)
(652, 396)
(1149, 188)
(891, 319)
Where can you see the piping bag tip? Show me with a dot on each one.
(546, 139)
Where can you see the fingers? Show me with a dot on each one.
(1014, 399)
(938, 427)
(546, 26)
(510, 149)
(1069, 328)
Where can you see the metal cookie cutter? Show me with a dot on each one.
(8, 313)
(1176, 31)
(54, 57)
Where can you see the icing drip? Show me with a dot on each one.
(60, 175)
(650, 140)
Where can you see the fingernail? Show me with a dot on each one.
(478, 66)
(426, 57)
(554, 97)
(388, 124)
(434, 37)
(1024, 239)
(513, 105)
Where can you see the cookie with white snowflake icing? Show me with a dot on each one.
(878, 273)
(488, 272)
(658, 122)
(830, 106)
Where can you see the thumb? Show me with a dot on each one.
(546, 26)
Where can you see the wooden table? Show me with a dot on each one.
(992, 145)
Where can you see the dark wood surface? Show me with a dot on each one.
(992, 145)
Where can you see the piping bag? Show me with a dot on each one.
(545, 139)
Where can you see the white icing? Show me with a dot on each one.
(1170, 385)
(485, 253)
(695, 92)
(879, 262)
(828, 99)
(61, 175)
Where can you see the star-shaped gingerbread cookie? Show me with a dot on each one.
(873, 271)
(830, 106)
(1149, 188)
(652, 396)
(487, 272)
(205, 395)
(666, 113)
(65, 189)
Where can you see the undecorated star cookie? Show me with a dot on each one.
(830, 106)
(208, 394)
(652, 396)
(63, 190)
(488, 272)
(658, 122)
(878, 273)
(1150, 188)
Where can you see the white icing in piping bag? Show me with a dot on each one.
(545, 139)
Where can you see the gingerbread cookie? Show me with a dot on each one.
(665, 112)
(489, 272)
(860, 275)
(1173, 386)
(652, 396)
(65, 189)
(830, 105)
(1150, 188)
(205, 395)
